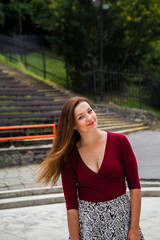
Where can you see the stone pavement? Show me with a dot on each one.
(146, 145)
(49, 221)
(20, 177)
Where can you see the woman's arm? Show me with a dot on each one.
(73, 224)
(135, 195)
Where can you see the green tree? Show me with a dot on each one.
(1, 15)
(151, 74)
(129, 29)
(11, 10)
(72, 32)
(72, 29)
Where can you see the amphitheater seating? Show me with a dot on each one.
(28, 101)
(21, 104)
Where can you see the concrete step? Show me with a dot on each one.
(30, 192)
(3, 73)
(150, 192)
(44, 199)
(124, 125)
(149, 183)
(112, 123)
(42, 196)
(56, 189)
(125, 131)
(100, 113)
(103, 118)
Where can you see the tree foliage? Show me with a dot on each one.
(72, 32)
(151, 72)
(72, 26)
(10, 11)
(72, 29)
(131, 27)
(1, 15)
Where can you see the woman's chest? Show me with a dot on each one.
(111, 167)
(93, 156)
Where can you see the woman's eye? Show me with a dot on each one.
(80, 117)
(90, 111)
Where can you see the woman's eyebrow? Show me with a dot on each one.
(79, 114)
(82, 113)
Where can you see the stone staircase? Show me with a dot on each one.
(43, 196)
(26, 100)
(112, 123)
(57, 95)
(31, 197)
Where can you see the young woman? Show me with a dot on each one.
(94, 165)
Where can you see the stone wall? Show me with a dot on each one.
(22, 156)
(130, 114)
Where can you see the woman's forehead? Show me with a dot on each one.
(81, 107)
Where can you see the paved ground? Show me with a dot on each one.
(146, 145)
(48, 222)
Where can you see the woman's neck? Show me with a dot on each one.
(90, 138)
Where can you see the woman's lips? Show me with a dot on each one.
(92, 123)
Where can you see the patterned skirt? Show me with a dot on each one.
(109, 220)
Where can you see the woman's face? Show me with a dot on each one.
(85, 118)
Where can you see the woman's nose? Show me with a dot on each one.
(89, 116)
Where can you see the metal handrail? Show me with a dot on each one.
(27, 127)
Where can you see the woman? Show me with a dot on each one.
(94, 165)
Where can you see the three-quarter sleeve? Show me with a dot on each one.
(69, 184)
(130, 164)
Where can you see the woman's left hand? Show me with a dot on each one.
(133, 235)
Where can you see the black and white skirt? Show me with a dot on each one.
(109, 220)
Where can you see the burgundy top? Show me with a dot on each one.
(119, 162)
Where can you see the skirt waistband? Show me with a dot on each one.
(120, 198)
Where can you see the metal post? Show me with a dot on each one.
(101, 48)
(20, 27)
(105, 7)
(10, 55)
(26, 59)
(94, 83)
(20, 19)
(140, 88)
(67, 77)
(44, 64)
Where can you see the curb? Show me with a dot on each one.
(43, 196)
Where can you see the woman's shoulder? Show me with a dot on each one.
(118, 140)
(116, 136)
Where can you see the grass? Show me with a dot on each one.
(53, 66)
(124, 102)
(19, 65)
(56, 67)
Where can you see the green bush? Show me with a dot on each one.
(153, 88)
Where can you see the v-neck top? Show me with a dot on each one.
(119, 163)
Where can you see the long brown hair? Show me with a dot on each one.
(66, 137)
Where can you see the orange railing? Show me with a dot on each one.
(27, 127)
